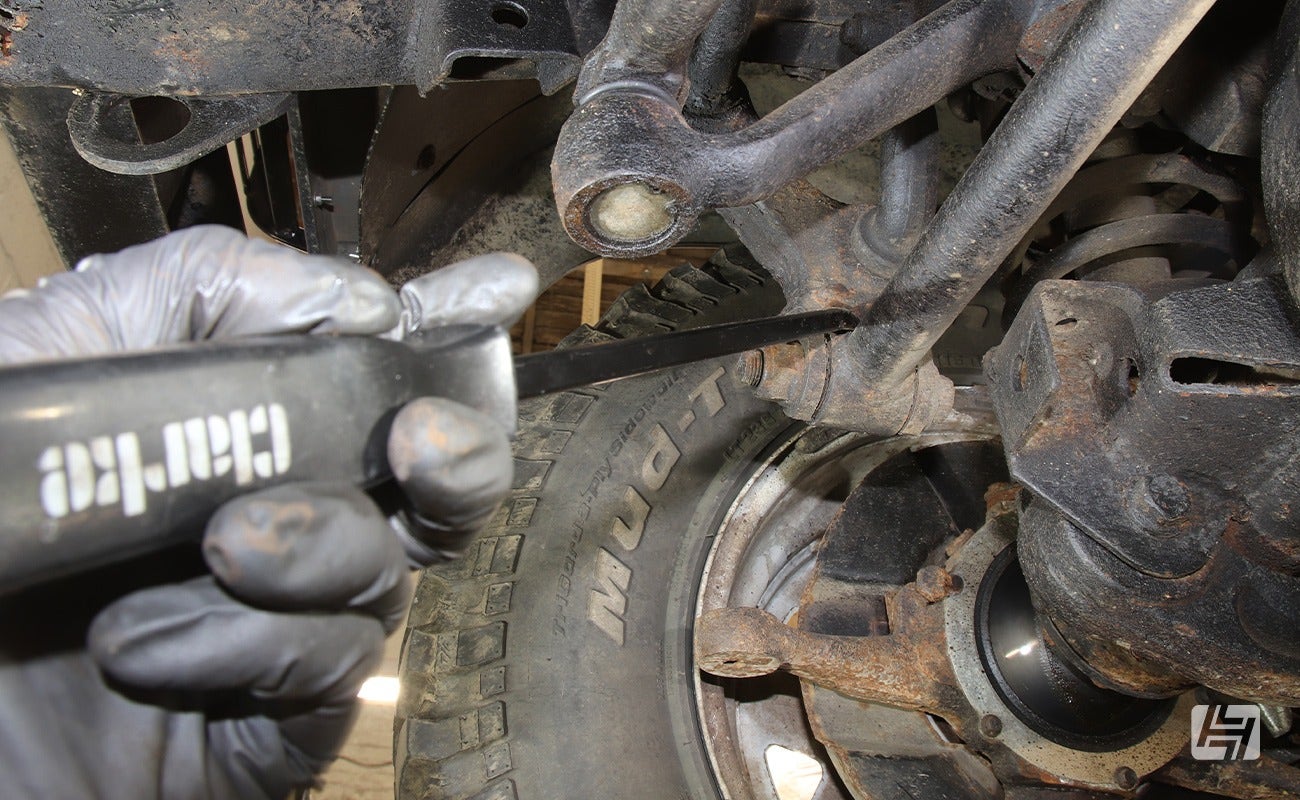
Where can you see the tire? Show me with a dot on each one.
(553, 660)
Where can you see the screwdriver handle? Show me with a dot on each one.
(109, 458)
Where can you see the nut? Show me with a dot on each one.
(936, 583)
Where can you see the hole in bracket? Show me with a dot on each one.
(427, 157)
(1133, 376)
(1213, 372)
(510, 15)
(159, 118)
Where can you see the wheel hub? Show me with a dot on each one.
(1131, 739)
(934, 631)
(1045, 691)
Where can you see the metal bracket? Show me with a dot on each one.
(71, 193)
(212, 123)
(1157, 433)
(1152, 424)
(535, 30)
(204, 49)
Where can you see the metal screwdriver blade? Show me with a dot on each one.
(557, 370)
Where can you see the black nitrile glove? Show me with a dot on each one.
(240, 683)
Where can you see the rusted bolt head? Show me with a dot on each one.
(631, 212)
(990, 726)
(1126, 778)
(1167, 497)
(935, 583)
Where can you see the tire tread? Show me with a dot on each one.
(455, 666)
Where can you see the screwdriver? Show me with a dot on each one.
(109, 458)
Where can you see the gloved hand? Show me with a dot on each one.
(240, 683)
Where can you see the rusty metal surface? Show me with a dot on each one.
(1100, 363)
(1111, 52)
(868, 651)
(878, 380)
(633, 131)
(195, 47)
(1160, 438)
(824, 384)
(1264, 779)
(806, 239)
(880, 751)
(780, 373)
(1047, 33)
(1002, 730)
(883, 753)
(777, 519)
(906, 664)
(770, 529)
(906, 668)
(1229, 626)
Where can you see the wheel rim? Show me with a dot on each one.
(763, 555)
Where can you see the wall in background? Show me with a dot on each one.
(26, 249)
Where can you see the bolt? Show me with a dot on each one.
(1167, 497)
(935, 583)
(631, 212)
(1126, 778)
(749, 368)
(853, 32)
(1277, 720)
(990, 726)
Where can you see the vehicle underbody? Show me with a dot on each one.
(998, 541)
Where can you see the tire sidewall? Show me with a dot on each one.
(617, 496)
